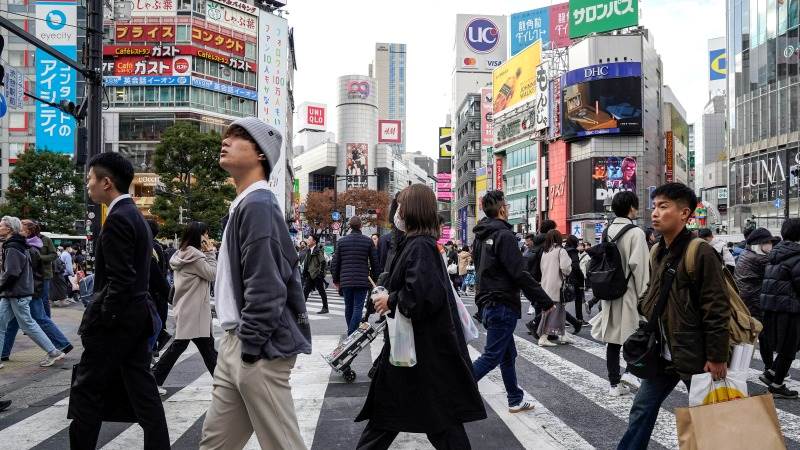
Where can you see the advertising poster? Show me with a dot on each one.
(669, 156)
(481, 187)
(445, 142)
(596, 16)
(487, 126)
(444, 186)
(555, 108)
(602, 99)
(480, 42)
(145, 33)
(515, 81)
(582, 187)
(717, 64)
(528, 27)
(356, 167)
(271, 106)
(228, 17)
(558, 187)
(55, 81)
(389, 131)
(611, 175)
(498, 174)
(462, 226)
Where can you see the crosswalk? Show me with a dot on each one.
(567, 384)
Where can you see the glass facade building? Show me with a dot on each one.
(763, 110)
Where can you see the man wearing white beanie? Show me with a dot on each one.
(259, 303)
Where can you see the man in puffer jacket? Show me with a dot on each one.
(780, 302)
(355, 261)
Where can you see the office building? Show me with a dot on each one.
(389, 71)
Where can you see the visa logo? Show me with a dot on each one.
(494, 63)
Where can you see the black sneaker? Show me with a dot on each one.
(766, 377)
(531, 326)
(323, 311)
(4, 358)
(577, 326)
(782, 392)
(4, 405)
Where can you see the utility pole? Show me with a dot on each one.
(89, 113)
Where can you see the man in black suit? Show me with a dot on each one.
(113, 381)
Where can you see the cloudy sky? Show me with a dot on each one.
(334, 38)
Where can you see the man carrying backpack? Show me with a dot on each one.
(695, 319)
(619, 317)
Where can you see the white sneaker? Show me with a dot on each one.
(50, 360)
(565, 339)
(619, 390)
(544, 342)
(2, 365)
(630, 381)
(524, 405)
(161, 390)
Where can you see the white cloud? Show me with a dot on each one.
(338, 38)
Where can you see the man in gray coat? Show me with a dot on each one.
(259, 303)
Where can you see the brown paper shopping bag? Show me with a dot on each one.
(748, 423)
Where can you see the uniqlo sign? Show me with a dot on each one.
(312, 116)
(390, 132)
(316, 116)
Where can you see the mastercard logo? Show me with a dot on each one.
(723, 394)
(470, 61)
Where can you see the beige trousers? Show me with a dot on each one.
(250, 397)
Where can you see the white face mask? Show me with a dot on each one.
(398, 221)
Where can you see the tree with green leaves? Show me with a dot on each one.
(46, 187)
(194, 185)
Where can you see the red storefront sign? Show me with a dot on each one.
(558, 183)
(178, 50)
(146, 33)
(669, 157)
(136, 65)
(219, 41)
(498, 174)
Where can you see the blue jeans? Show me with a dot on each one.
(20, 309)
(644, 410)
(46, 297)
(45, 323)
(354, 299)
(500, 322)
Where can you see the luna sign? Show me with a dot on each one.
(481, 35)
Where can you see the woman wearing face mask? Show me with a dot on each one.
(749, 278)
(438, 394)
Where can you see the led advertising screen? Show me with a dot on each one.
(611, 175)
(604, 106)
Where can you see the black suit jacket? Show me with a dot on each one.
(122, 273)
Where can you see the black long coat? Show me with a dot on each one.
(439, 391)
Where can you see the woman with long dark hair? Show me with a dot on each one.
(195, 266)
(556, 267)
(438, 394)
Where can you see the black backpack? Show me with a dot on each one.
(535, 263)
(605, 272)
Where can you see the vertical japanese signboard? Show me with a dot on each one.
(487, 128)
(541, 101)
(273, 67)
(595, 16)
(555, 108)
(55, 81)
(669, 157)
(498, 174)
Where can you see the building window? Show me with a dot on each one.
(200, 7)
(182, 34)
(250, 50)
(16, 121)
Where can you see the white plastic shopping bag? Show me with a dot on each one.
(741, 356)
(706, 391)
(470, 329)
(401, 341)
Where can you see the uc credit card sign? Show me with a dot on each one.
(55, 81)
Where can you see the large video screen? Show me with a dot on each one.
(606, 106)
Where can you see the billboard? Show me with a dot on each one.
(55, 81)
(145, 33)
(312, 116)
(358, 89)
(227, 17)
(611, 175)
(154, 8)
(480, 42)
(271, 106)
(444, 186)
(582, 187)
(481, 187)
(669, 156)
(498, 174)
(555, 108)
(445, 142)
(487, 127)
(515, 81)
(549, 24)
(390, 131)
(717, 64)
(137, 65)
(596, 16)
(558, 185)
(357, 167)
(222, 42)
(602, 99)
(541, 103)
(176, 50)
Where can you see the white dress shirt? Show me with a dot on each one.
(115, 201)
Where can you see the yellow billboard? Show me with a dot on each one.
(515, 81)
(445, 142)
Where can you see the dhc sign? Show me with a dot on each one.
(602, 71)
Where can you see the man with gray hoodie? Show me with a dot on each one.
(259, 303)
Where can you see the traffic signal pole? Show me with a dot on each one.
(90, 112)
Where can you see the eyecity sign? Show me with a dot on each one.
(481, 35)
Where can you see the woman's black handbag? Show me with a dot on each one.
(642, 350)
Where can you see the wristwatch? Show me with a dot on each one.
(250, 359)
